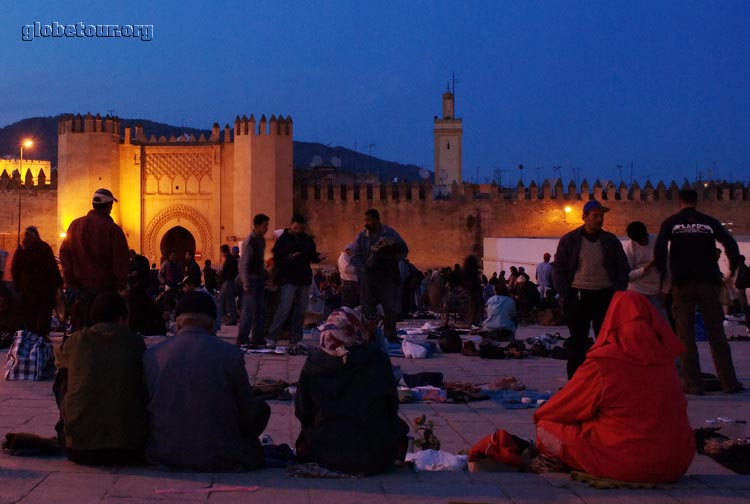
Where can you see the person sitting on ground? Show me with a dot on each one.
(99, 389)
(623, 415)
(202, 411)
(500, 323)
(347, 402)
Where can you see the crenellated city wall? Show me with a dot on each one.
(38, 203)
(442, 229)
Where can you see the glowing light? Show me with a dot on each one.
(568, 209)
(63, 235)
(28, 143)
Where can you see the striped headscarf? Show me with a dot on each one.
(343, 327)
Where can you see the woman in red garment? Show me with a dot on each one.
(624, 414)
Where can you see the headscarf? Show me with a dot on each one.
(634, 331)
(343, 327)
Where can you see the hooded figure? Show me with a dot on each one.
(37, 279)
(623, 415)
(346, 401)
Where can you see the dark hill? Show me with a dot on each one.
(43, 130)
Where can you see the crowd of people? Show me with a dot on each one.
(187, 403)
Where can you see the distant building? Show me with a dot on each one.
(448, 133)
(30, 166)
(178, 193)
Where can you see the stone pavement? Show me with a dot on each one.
(30, 407)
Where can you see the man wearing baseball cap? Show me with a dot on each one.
(590, 265)
(94, 256)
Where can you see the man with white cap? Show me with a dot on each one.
(348, 272)
(94, 256)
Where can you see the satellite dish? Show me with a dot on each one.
(424, 174)
(316, 161)
(443, 176)
(336, 161)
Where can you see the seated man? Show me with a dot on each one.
(99, 389)
(500, 323)
(201, 409)
(347, 403)
(623, 415)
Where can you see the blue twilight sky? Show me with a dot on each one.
(587, 86)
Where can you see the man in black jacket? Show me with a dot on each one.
(292, 255)
(696, 281)
(590, 265)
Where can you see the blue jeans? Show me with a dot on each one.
(253, 313)
(292, 297)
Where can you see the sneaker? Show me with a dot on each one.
(297, 350)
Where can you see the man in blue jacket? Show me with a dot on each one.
(202, 412)
(590, 265)
(377, 252)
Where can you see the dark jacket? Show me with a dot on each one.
(35, 273)
(229, 269)
(291, 268)
(104, 403)
(567, 256)
(349, 411)
(94, 253)
(692, 254)
(201, 410)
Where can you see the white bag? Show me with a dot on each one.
(413, 351)
(437, 460)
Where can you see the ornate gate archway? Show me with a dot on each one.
(183, 216)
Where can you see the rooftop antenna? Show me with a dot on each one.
(111, 112)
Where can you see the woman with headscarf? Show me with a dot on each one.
(346, 401)
(37, 279)
(623, 415)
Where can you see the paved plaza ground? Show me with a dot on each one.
(30, 407)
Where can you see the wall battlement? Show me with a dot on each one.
(442, 226)
(266, 127)
(549, 191)
(69, 123)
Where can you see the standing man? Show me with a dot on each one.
(292, 255)
(377, 251)
(590, 265)
(253, 276)
(227, 294)
(94, 257)
(191, 268)
(348, 272)
(170, 274)
(696, 281)
(544, 275)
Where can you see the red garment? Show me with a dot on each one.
(623, 415)
(499, 446)
(94, 253)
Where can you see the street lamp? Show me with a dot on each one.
(25, 143)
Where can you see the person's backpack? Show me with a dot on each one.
(30, 358)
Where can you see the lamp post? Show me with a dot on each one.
(25, 143)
